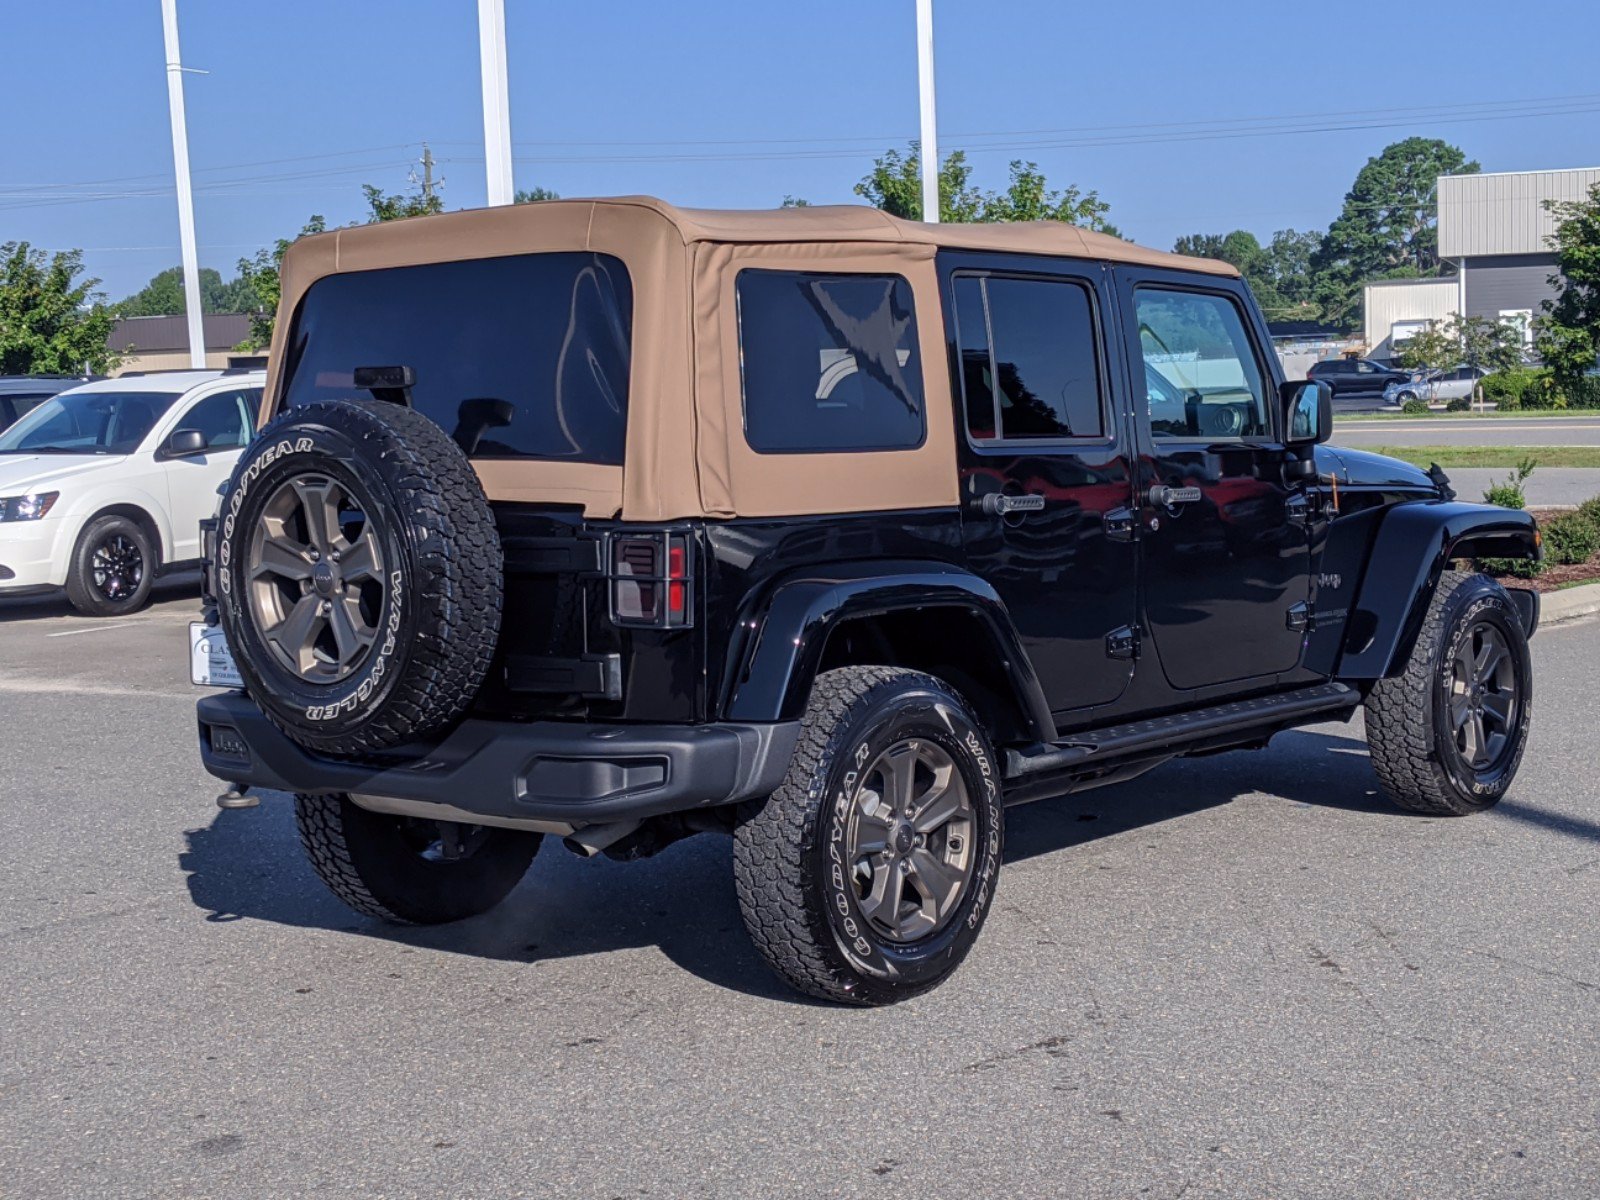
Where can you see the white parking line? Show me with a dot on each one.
(95, 629)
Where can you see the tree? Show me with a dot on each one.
(1567, 335)
(51, 322)
(1430, 348)
(534, 195)
(1473, 341)
(1277, 273)
(262, 274)
(163, 295)
(795, 202)
(895, 185)
(262, 271)
(1388, 228)
(383, 207)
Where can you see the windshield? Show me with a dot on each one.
(87, 423)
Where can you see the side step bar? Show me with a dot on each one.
(1118, 752)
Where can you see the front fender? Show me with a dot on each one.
(786, 630)
(1414, 544)
(112, 495)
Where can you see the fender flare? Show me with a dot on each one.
(1414, 544)
(780, 638)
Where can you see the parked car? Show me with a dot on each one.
(20, 394)
(1436, 386)
(1354, 377)
(104, 485)
(620, 523)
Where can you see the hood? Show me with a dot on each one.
(1361, 468)
(21, 474)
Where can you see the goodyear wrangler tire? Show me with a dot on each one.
(358, 575)
(866, 877)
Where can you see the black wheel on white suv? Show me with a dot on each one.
(112, 568)
(866, 877)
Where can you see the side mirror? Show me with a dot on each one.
(1307, 412)
(185, 443)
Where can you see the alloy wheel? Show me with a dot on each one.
(117, 567)
(315, 577)
(1482, 694)
(910, 840)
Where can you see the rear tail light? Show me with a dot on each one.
(651, 580)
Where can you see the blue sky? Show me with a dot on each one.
(741, 102)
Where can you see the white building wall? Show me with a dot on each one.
(1410, 304)
(1504, 213)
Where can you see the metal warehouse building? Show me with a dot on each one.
(1494, 229)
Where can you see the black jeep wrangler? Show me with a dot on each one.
(837, 533)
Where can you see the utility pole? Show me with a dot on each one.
(930, 124)
(180, 164)
(427, 172)
(496, 100)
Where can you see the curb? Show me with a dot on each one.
(1569, 604)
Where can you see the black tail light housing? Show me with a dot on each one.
(651, 580)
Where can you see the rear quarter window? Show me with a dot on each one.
(526, 356)
(829, 363)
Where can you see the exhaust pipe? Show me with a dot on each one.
(592, 839)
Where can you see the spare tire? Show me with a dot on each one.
(358, 576)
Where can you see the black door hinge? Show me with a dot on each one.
(1297, 509)
(1300, 618)
(1122, 524)
(1123, 643)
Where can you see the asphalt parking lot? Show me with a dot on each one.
(1241, 976)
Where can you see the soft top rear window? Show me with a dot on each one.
(525, 356)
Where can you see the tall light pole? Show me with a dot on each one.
(930, 122)
(180, 165)
(496, 100)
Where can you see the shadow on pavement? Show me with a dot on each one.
(39, 606)
(248, 864)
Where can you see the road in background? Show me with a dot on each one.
(1240, 976)
(1470, 431)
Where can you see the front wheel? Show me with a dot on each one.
(408, 870)
(1448, 734)
(112, 568)
(866, 877)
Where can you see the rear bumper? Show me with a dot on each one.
(555, 772)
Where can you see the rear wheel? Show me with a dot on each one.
(408, 870)
(1448, 734)
(112, 568)
(867, 875)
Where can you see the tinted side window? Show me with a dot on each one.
(1038, 346)
(829, 362)
(1197, 343)
(519, 357)
(223, 418)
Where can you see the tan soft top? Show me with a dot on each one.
(686, 455)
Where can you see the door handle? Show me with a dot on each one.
(1001, 505)
(1163, 496)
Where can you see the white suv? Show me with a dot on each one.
(104, 485)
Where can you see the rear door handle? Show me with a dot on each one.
(1001, 505)
(1166, 497)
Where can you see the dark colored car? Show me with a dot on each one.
(1356, 377)
(21, 394)
(618, 523)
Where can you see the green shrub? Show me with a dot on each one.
(1458, 404)
(1571, 538)
(1522, 568)
(1586, 394)
(1590, 511)
(1541, 392)
(1508, 389)
(1510, 494)
(1416, 408)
